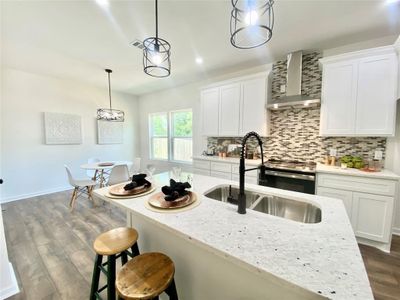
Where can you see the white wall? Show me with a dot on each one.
(180, 97)
(30, 167)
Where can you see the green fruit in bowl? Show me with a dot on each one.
(359, 164)
(350, 164)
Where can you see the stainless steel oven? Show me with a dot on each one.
(292, 180)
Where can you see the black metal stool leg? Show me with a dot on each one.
(135, 250)
(124, 257)
(96, 276)
(111, 277)
(171, 291)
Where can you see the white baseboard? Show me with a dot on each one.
(10, 290)
(30, 195)
(396, 230)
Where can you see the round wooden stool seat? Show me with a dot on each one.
(145, 276)
(115, 241)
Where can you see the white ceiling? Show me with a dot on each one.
(78, 39)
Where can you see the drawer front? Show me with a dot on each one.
(201, 172)
(358, 184)
(251, 180)
(253, 173)
(201, 164)
(221, 167)
(222, 175)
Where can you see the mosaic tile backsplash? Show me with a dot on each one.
(294, 133)
(294, 136)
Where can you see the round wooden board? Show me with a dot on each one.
(108, 195)
(158, 201)
(118, 190)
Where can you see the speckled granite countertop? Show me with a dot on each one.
(384, 174)
(323, 258)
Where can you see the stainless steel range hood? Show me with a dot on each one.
(293, 97)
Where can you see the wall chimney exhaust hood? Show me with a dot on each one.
(293, 97)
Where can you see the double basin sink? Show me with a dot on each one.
(298, 211)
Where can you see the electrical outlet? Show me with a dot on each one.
(332, 152)
(378, 154)
(283, 88)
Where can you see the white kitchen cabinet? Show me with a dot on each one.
(376, 95)
(235, 107)
(253, 116)
(369, 203)
(345, 196)
(372, 216)
(222, 175)
(247, 179)
(201, 172)
(229, 106)
(359, 92)
(209, 111)
(338, 107)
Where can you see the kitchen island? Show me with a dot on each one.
(220, 254)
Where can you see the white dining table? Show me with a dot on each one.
(101, 167)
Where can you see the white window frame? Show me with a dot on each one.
(170, 135)
(151, 136)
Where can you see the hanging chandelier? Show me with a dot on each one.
(110, 114)
(156, 54)
(252, 22)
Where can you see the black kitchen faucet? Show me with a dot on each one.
(243, 170)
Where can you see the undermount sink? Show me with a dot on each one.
(221, 193)
(294, 210)
(289, 209)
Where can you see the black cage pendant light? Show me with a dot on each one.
(156, 54)
(252, 22)
(110, 114)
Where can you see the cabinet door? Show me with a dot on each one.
(229, 107)
(253, 113)
(209, 111)
(376, 95)
(345, 196)
(372, 216)
(338, 99)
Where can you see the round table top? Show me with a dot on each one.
(97, 166)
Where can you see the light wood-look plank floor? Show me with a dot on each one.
(51, 248)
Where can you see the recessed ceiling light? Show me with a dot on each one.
(199, 60)
(103, 3)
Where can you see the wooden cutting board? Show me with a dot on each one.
(158, 201)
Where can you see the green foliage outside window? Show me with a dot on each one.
(182, 123)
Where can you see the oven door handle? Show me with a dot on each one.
(290, 175)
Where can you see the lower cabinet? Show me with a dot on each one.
(345, 196)
(370, 213)
(372, 216)
(223, 170)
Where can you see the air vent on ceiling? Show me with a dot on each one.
(138, 44)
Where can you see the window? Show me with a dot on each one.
(171, 136)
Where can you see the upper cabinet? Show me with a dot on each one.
(209, 111)
(359, 92)
(229, 109)
(236, 107)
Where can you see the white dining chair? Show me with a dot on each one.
(135, 166)
(81, 186)
(92, 173)
(118, 174)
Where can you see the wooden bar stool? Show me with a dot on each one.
(146, 276)
(114, 244)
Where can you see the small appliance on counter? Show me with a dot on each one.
(209, 152)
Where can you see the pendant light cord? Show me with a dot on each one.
(109, 89)
(156, 19)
